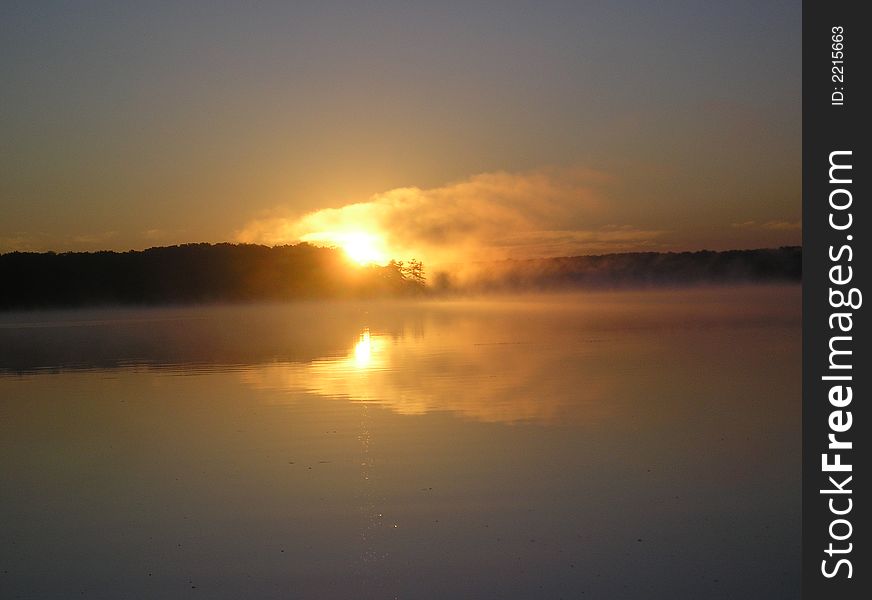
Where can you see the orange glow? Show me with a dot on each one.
(363, 351)
(362, 247)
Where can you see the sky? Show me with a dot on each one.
(441, 130)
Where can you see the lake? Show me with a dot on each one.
(635, 444)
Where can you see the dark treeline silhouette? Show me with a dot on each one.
(634, 269)
(206, 273)
(195, 273)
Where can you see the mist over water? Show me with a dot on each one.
(621, 444)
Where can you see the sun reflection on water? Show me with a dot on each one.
(415, 375)
(363, 350)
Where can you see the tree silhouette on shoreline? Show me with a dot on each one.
(209, 273)
(193, 273)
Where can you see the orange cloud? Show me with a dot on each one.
(487, 216)
(771, 225)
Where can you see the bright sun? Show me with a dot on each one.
(363, 248)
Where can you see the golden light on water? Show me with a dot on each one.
(363, 351)
(375, 368)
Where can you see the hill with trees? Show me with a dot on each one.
(210, 273)
(196, 273)
(633, 269)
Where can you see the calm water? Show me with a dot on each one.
(608, 445)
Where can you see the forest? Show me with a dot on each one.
(210, 273)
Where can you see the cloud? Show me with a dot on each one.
(93, 239)
(487, 216)
(17, 242)
(41, 242)
(770, 225)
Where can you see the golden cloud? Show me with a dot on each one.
(487, 216)
(771, 225)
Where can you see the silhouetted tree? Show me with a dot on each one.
(192, 273)
(228, 272)
(413, 271)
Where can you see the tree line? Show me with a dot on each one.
(208, 273)
(196, 273)
(634, 269)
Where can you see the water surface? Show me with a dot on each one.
(605, 445)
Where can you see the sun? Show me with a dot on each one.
(363, 248)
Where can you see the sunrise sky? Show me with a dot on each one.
(435, 130)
